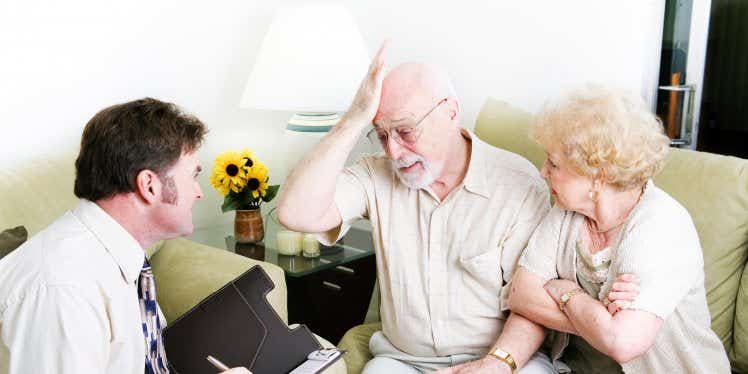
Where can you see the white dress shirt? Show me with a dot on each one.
(68, 298)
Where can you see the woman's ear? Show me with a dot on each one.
(148, 186)
(601, 179)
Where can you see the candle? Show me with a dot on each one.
(289, 242)
(311, 245)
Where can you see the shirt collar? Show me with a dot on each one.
(475, 178)
(121, 245)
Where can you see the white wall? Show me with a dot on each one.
(60, 62)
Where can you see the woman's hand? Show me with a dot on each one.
(558, 287)
(623, 291)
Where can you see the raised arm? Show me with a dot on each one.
(310, 207)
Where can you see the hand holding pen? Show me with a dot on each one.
(225, 369)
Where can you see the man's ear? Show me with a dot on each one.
(148, 186)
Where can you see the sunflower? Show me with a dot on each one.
(249, 158)
(257, 179)
(229, 173)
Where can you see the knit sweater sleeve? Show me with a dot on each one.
(541, 254)
(661, 247)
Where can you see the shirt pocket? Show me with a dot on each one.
(482, 281)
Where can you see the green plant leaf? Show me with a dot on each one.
(230, 202)
(270, 193)
(248, 200)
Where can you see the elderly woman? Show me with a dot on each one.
(613, 235)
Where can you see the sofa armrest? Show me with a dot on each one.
(187, 272)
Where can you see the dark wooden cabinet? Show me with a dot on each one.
(333, 300)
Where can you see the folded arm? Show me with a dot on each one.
(623, 336)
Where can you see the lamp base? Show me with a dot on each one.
(312, 122)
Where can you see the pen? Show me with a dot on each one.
(218, 364)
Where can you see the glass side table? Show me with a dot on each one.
(356, 244)
(330, 293)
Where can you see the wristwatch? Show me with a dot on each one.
(504, 356)
(565, 298)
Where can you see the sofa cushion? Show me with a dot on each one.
(505, 126)
(37, 191)
(10, 239)
(714, 189)
(739, 352)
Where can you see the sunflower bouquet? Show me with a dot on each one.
(242, 180)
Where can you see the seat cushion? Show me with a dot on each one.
(356, 342)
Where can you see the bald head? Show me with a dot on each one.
(412, 88)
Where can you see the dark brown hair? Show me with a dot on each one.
(122, 140)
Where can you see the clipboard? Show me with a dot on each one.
(237, 325)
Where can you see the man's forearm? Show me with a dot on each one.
(306, 206)
(521, 338)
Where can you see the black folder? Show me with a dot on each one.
(237, 325)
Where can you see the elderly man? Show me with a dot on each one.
(450, 217)
(79, 297)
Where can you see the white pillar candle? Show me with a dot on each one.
(311, 245)
(289, 242)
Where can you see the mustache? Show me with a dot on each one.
(407, 160)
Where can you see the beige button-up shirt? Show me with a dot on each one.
(442, 265)
(68, 302)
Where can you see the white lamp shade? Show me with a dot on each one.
(311, 60)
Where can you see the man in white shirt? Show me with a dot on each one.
(450, 217)
(79, 296)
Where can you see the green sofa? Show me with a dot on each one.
(713, 188)
(38, 191)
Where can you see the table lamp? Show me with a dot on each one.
(311, 62)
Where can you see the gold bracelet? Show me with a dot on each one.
(565, 298)
(498, 353)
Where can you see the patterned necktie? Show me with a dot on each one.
(155, 356)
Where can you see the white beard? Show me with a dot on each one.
(414, 180)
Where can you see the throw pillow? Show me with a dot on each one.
(11, 239)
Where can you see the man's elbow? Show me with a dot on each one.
(284, 216)
(287, 218)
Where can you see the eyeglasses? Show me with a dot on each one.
(403, 135)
